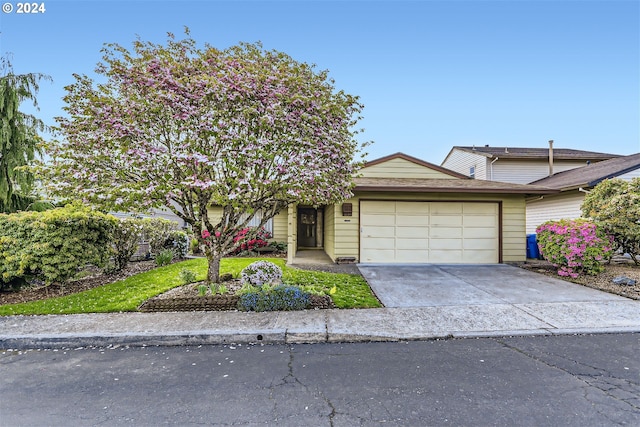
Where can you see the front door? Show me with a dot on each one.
(307, 219)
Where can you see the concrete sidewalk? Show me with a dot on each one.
(314, 326)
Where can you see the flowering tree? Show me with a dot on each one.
(184, 127)
(615, 205)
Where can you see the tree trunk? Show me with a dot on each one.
(213, 272)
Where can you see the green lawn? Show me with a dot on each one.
(126, 295)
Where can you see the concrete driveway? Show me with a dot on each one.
(445, 285)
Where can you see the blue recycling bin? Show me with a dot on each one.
(532, 247)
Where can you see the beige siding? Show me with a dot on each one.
(401, 168)
(553, 207)
(526, 171)
(514, 240)
(347, 229)
(280, 226)
(215, 214)
(462, 161)
(330, 231)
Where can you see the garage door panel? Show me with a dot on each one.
(480, 244)
(445, 243)
(446, 233)
(480, 221)
(378, 220)
(415, 208)
(402, 244)
(376, 255)
(438, 220)
(479, 233)
(412, 256)
(446, 208)
(378, 207)
(481, 208)
(412, 220)
(378, 232)
(412, 232)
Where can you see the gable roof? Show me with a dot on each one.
(534, 153)
(416, 161)
(591, 175)
(466, 185)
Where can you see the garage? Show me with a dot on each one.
(452, 232)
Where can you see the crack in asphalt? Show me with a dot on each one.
(600, 379)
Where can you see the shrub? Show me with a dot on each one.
(245, 244)
(614, 204)
(574, 246)
(178, 242)
(279, 246)
(261, 272)
(195, 246)
(126, 240)
(187, 276)
(280, 297)
(164, 258)
(53, 245)
(157, 231)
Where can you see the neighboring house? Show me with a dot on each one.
(572, 186)
(406, 210)
(515, 164)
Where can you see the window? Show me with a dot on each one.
(472, 172)
(255, 221)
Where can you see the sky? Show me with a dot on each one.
(431, 74)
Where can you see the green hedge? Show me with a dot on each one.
(52, 245)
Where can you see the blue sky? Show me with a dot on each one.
(431, 74)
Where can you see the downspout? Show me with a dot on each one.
(491, 166)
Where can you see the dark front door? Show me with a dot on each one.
(307, 219)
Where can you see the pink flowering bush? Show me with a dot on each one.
(575, 247)
(241, 241)
(261, 240)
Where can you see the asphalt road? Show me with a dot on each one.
(523, 381)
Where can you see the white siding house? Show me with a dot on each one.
(515, 164)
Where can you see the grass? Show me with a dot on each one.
(352, 291)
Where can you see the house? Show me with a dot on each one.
(516, 164)
(572, 186)
(406, 210)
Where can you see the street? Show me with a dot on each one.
(525, 381)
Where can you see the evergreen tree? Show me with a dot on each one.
(19, 139)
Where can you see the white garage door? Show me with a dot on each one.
(428, 232)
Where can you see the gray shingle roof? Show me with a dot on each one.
(537, 153)
(591, 175)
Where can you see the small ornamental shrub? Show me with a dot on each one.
(187, 276)
(127, 236)
(178, 242)
(260, 273)
(164, 258)
(243, 243)
(575, 247)
(280, 297)
(157, 231)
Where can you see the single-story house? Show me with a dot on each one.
(406, 210)
(572, 186)
(517, 164)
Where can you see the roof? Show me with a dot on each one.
(416, 161)
(428, 185)
(534, 153)
(591, 175)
